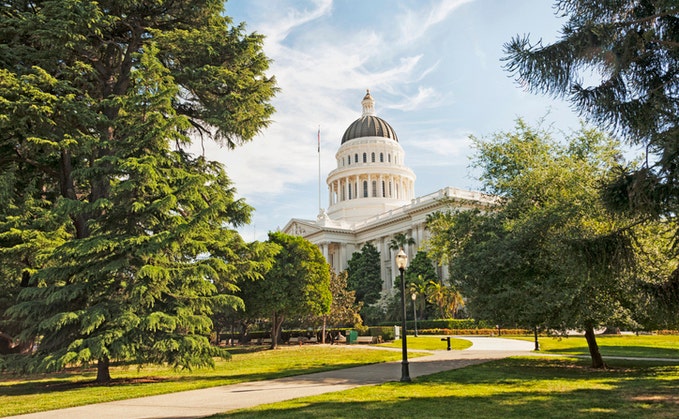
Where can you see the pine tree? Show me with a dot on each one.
(364, 275)
(104, 97)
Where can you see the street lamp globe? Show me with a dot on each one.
(401, 260)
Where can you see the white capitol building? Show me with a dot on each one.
(371, 197)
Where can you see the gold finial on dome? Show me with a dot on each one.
(368, 104)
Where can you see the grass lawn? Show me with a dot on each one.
(74, 388)
(645, 346)
(429, 343)
(525, 387)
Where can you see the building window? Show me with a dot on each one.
(349, 187)
(365, 189)
(372, 157)
(365, 158)
(374, 189)
(381, 157)
(389, 157)
(356, 158)
(390, 193)
(348, 161)
(384, 190)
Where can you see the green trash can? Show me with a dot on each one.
(352, 336)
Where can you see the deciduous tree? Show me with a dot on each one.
(550, 254)
(297, 285)
(618, 63)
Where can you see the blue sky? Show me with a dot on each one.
(433, 68)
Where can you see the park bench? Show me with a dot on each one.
(366, 339)
(300, 340)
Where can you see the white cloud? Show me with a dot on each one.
(416, 23)
(426, 97)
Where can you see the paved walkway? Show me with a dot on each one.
(209, 401)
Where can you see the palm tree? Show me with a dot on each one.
(400, 241)
(446, 298)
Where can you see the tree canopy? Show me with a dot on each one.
(117, 234)
(297, 285)
(364, 274)
(549, 254)
(618, 63)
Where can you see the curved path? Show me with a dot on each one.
(209, 401)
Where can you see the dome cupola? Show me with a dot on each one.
(369, 125)
(371, 177)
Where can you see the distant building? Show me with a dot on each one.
(371, 197)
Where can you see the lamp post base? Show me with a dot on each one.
(405, 372)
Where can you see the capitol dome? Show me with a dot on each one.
(371, 177)
(369, 125)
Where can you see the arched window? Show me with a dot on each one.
(384, 190)
(389, 157)
(374, 189)
(365, 189)
(365, 157)
(349, 187)
(381, 157)
(372, 157)
(348, 161)
(356, 158)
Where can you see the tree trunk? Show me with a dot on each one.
(597, 360)
(276, 324)
(103, 373)
(323, 332)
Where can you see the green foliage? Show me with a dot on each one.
(386, 332)
(124, 240)
(344, 310)
(618, 63)
(401, 241)
(296, 286)
(364, 274)
(550, 254)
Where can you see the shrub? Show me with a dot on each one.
(386, 332)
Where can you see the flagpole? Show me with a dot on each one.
(319, 169)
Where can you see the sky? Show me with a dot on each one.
(433, 68)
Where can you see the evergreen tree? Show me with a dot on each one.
(122, 236)
(364, 274)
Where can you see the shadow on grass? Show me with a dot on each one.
(513, 388)
(624, 351)
(55, 386)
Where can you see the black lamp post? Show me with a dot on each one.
(401, 263)
(414, 297)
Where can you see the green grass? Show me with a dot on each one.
(509, 388)
(645, 346)
(75, 388)
(429, 343)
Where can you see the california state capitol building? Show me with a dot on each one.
(371, 198)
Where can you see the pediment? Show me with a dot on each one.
(303, 228)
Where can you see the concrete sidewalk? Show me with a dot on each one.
(209, 401)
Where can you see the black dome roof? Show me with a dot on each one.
(369, 126)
